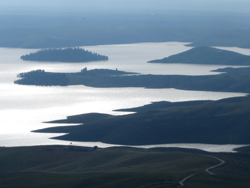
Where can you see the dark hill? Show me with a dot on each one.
(212, 122)
(206, 55)
(231, 81)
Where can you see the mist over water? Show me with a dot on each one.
(24, 108)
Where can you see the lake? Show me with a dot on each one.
(24, 108)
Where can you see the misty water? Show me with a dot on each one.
(25, 108)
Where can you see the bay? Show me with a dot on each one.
(24, 108)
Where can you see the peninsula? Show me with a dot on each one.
(233, 80)
(206, 55)
(211, 122)
(64, 55)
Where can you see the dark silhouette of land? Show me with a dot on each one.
(64, 55)
(233, 80)
(212, 122)
(206, 55)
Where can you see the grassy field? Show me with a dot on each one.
(57, 166)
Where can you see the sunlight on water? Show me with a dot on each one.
(24, 108)
(134, 58)
(243, 51)
(12, 140)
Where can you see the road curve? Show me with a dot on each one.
(185, 179)
(215, 166)
(207, 170)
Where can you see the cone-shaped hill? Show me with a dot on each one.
(206, 55)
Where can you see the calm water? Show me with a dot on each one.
(24, 108)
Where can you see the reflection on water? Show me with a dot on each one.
(9, 140)
(24, 108)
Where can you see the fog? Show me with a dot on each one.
(60, 23)
(192, 5)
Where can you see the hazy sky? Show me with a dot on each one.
(200, 5)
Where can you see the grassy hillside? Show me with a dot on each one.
(56, 166)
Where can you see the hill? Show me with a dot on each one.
(64, 55)
(212, 122)
(60, 167)
(206, 55)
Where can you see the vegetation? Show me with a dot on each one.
(206, 55)
(42, 78)
(212, 122)
(56, 166)
(64, 55)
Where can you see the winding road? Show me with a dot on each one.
(207, 170)
(181, 183)
(215, 166)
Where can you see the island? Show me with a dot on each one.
(64, 55)
(206, 55)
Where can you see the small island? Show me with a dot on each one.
(206, 55)
(64, 55)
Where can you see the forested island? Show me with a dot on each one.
(206, 55)
(64, 55)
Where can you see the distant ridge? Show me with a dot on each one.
(206, 55)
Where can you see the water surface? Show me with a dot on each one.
(24, 108)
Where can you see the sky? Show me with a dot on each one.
(198, 5)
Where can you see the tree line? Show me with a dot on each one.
(64, 55)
